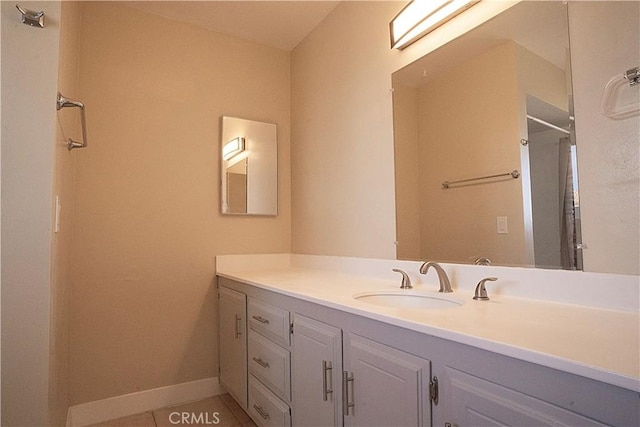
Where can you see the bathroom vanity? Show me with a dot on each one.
(298, 349)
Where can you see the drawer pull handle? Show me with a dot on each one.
(261, 362)
(238, 326)
(261, 319)
(327, 367)
(264, 414)
(346, 405)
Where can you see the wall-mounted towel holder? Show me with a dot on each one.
(633, 75)
(63, 102)
(610, 98)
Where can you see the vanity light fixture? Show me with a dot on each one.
(420, 17)
(233, 148)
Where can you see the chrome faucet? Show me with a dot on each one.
(445, 285)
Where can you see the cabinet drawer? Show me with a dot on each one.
(271, 364)
(269, 320)
(265, 408)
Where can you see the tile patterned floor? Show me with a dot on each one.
(220, 411)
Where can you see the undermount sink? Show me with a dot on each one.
(408, 299)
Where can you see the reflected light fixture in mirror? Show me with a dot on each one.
(420, 17)
(233, 148)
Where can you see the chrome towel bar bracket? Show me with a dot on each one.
(63, 102)
(633, 75)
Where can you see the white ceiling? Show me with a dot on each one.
(280, 24)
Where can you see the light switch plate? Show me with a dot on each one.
(501, 222)
(57, 219)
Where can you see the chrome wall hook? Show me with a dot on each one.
(31, 17)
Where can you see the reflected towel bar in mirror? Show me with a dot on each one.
(513, 174)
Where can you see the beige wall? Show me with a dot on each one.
(605, 42)
(62, 249)
(407, 172)
(147, 222)
(542, 79)
(342, 158)
(29, 82)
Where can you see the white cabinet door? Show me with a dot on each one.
(232, 309)
(384, 386)
(316, 373)
(476, 402)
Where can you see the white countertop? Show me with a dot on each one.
(597, 343)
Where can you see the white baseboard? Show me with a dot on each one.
(142, 401)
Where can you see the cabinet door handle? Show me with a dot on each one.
(238, 326)
(264, 414)
(346, 405)
(261, 362)
(327, 367)
(261, 319)
(434, 390)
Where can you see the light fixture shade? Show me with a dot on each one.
(420, 17)
(233, 148)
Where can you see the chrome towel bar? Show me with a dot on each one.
(63, 102)
(547, 124)
(513, 174)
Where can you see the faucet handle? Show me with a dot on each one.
(482, 261)
(406, 281)
(481, 291)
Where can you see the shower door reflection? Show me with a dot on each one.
(550, 152)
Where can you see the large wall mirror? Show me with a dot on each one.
(249, 153)
(485, 149)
